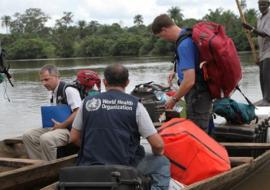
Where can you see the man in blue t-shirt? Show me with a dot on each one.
(191, 84)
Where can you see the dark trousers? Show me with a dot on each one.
(199, 107)
(265, 79)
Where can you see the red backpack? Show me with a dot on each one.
(193, 154)
(88, 78)
(218, 58)
(85, 82)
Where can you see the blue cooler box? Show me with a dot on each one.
(59, 113)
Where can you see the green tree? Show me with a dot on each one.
(138, 20)
(126, 45)
(64, 35)
(176, 15)
(6, 20)
(251, 16)
(93, 46)
(30, 49)
(32, 21)
(93, 26)
(162, 47)
(82, 25)
(65, 20)
(189, 22)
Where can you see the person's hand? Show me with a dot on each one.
(57, 125)
(170, 78)
(247, 26)
(170, 103)
(257, 62)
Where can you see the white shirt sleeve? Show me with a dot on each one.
(145, 124)
(73, 97)
(78, 121)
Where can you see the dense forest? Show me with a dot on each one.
(27, 36)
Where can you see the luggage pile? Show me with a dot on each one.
(244, 133)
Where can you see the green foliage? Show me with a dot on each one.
(27, 37)
(251, 15)
(146, 48)
(30, 49)
(126, 46)
(93, 47)
(176, 15)
(189, 22)
(138, 20)
(162, 47)
(6, 22)
(32, 21)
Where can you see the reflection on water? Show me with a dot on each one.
(23, 111)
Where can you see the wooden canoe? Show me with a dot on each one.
(19, 172)
(229, 179)
(241, 167)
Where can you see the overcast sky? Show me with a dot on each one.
(117, 11)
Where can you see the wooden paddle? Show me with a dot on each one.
(248, 33)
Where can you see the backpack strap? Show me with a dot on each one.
(182, 37)
(186, 34)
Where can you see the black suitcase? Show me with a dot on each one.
(235, 134)
(102, 177)
(253, 134)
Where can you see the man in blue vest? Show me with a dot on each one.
(108, 128)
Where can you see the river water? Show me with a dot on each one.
(20, 106)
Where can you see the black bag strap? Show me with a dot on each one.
(152, 85)
(249, 102)
(144, 84)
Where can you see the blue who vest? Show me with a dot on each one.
(110, 132)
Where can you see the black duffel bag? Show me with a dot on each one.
(150, 96)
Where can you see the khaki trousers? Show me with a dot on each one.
(42, 143)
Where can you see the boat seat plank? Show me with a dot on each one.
(18, 161)
(236, 161)
(12, 141)
(263, 146)
(52, 186)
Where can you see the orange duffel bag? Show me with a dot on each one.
(193, 154)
